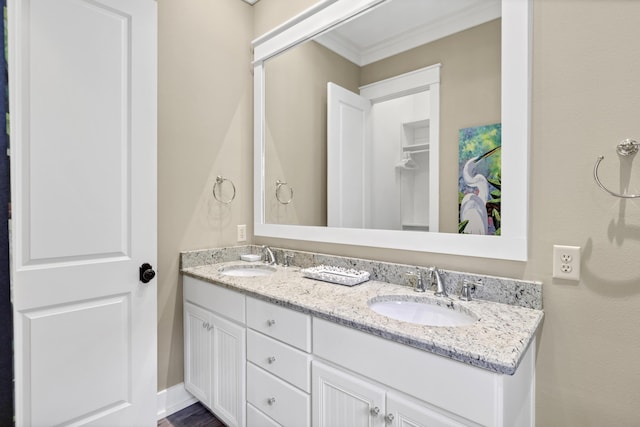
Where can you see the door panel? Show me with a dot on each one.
(83, 165)
(407, 412)
(228, 370)
(348, 152)
(342, 400)
(79, 119)
(197, 352)
(58, 392)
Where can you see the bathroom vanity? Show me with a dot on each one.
(270, 347)
(283, 350)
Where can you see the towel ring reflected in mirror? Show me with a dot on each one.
(285, 200)
(218, 185)
(625, 148)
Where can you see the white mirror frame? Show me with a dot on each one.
(516, 87)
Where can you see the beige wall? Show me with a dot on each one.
(205, 129)
(585, 99)
(296, 130)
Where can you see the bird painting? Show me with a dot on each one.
(479, 181)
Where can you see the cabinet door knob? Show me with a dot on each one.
(271, 400)
(375, 411)
(389, 418)
(271, 322)
(205, 325)
(271, 359)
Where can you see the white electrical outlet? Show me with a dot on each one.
(242, 233)
(566, 262)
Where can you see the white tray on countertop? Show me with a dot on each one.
(250, 257)
(338, 275)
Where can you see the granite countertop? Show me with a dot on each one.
(496, 342)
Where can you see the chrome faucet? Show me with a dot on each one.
(436, 279)
(419, 282)
(269, 257)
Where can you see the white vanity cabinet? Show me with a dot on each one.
(258, 364)
(379, 381)
(214, 350)
(278, 366)
(341, 398)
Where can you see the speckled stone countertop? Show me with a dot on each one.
(496, 342)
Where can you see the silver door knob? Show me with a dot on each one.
(271, 359)
(389, 418)
(271, 400)
(375, 411)
(271, 322)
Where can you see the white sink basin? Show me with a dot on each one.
(251, 270)
(421, 312)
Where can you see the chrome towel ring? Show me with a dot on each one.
(282, 200)
(218, 184)
(625, 148)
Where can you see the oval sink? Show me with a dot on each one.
(252, 270)
(421, 312)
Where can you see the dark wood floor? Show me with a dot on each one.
(195, 415)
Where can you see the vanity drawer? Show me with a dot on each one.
(277, 399)
(223, 301)
(256, 418)
(280, 359)
(281, 323)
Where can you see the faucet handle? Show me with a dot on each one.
(287, 260)
(465, 292)
(468, 288)
(419, 287)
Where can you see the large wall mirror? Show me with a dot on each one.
(364, 110)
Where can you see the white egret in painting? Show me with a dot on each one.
(473, 207)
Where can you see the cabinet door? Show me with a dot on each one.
(342, 400)
(403, 411)
(228, 362)
(197, 343)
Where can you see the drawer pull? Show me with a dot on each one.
(389, 418)
(271, 322)
(205, 325)
(271, 400)
(375, 411)
(271, 359)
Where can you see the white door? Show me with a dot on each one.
(83, 171)
(348, 137)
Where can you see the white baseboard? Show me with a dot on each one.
(173, 399)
